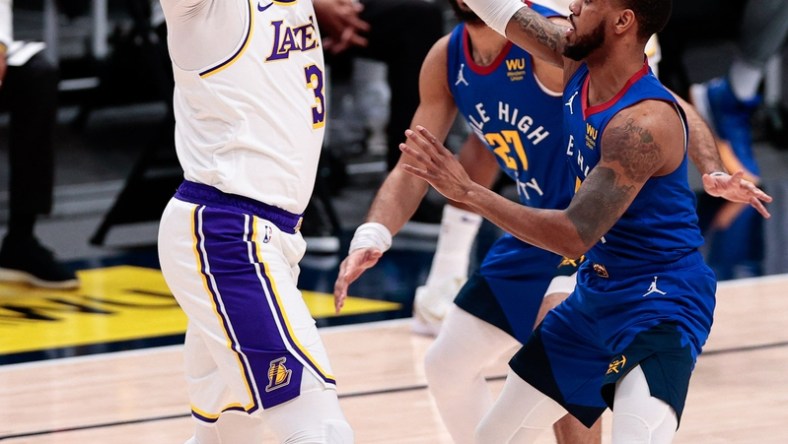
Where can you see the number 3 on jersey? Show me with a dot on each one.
(502, 144)
(314, 81)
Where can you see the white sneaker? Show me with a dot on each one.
(431, 303)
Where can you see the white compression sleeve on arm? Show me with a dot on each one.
(496, 13)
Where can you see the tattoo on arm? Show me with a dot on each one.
(634, 148)
(598, 204)
(607, 192)
(539, 28)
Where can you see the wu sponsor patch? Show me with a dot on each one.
(515, 69)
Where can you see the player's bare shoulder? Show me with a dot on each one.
(646, 139)
(434, 68)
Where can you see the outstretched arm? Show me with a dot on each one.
(716, 179)
(638, 143)
(401, 193)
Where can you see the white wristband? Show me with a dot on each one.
(371, 235)
(496, 13)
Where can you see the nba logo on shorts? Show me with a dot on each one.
(267, 234)
(278, 374)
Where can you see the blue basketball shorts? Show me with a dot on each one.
(657, 317)
(509, 287)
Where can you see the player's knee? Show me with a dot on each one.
(486, 432)
(438, 363)
(338, 432)
(631, 429)
(432, 362)
(635, 429)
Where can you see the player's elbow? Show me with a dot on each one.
(573, 248)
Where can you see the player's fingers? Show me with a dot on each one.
(340, 293)
(428, 135)
(339, 302)
(426, 146)
(360, 25)
(425, 169)
(358, 7)
(755, 191)
(345, 41)
(418, 172)
(418, 139)
(359, 40)
(417, 153)
(760, 207)
(341, 284)
(435, 144)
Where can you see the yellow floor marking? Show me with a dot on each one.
(115, 304)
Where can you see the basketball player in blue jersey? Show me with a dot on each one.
(250, 114)
(513, 106)
(642, 309)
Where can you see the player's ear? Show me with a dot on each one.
(624, 21)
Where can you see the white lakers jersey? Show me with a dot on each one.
(252, 123)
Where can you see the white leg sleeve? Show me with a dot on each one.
(520, 415)
(452, 253)
(639, 417)
(315, 417)
(454, 367)
(449, 269)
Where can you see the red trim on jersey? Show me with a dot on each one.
(588, 110)
(479, 69)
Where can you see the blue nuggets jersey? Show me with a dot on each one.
(661, 224)
(517, 118)
(520, 122)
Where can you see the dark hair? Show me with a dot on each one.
(651, 15)
(466, 16)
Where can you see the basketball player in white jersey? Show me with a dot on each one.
(250, 109)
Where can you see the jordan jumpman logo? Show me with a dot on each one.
(653, 289)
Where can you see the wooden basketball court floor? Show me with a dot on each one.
(738, 394)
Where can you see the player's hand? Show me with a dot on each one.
(434, 163)
(351, 268)
(736, 189)
(340, 24)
